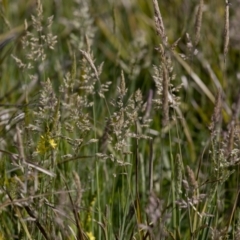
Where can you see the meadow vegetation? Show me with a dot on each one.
(119, 119)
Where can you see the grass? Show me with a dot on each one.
(119, 120)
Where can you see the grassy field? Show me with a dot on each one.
(119, 120)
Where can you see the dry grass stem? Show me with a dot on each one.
(216, 113)
(226, 30)
(159, 22)
(179, 175)
(193, 184)
(198, 22)
(165, 102)
(88, 57)
(78, 188)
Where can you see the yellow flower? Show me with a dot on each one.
(52, 143)
(45, 144)
(90, 235)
